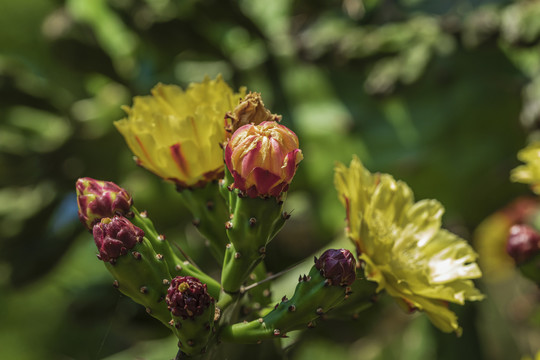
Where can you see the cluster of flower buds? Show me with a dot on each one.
(143, 264)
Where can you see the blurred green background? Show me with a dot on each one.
(441, 94)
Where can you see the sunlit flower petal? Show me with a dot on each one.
(177, 134)
(403, 246)
(529, 173)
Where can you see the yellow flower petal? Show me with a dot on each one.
(177, 134)
(529, 173)
(403, 247)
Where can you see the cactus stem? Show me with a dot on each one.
(159, 257)
(161, 237)
(115, 284)
(277, 332)
(196, 222)
(144, 214)
(292, 308)
(137, 255)
(228, 225)
(166, 282)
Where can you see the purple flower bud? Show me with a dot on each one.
(187, 297)
(338, 266)
(523, 243)
(114, 237)
(99, 199)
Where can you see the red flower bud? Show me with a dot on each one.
(114, 237)
(338, 266)
(263, 158)
(99, 199)
(523, 243)
(187, 297)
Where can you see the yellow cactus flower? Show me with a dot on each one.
(177, 134)
(529, 173)
(403, 247)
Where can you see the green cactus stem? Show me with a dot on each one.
(175, 265)
(362, 296)
(313, 297)
(253, 224)
(209, 212)
(137, 269)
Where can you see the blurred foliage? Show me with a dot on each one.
(439, 93)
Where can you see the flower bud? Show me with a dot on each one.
(187, 297)
(250, 110)
(338, 266)
(523, 243)
(114, 237)
(263, 158)
(100, 199)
